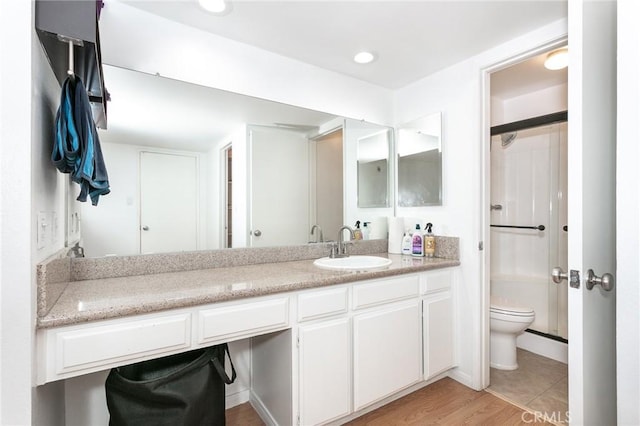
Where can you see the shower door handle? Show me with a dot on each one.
(557, 274)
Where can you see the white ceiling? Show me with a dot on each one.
(411, 39)
(526, 77)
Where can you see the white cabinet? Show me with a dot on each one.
(325, 371)
(357, 343)
(438, 324)
(386, 351)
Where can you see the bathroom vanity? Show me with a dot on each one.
(325, 345)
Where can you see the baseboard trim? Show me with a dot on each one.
(543, 346)
(261, 409)
(237, 398)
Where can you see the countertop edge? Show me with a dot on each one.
(49, 321)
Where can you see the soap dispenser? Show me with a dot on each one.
(366, 233)
(429, 241)
(417, 247)
(357, 233)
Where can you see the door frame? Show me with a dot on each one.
(485, 198)
(223, 224)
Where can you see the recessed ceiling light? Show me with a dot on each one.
(364, 57)
(557, 59)
(218, 7)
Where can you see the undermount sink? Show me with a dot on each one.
(353, 263)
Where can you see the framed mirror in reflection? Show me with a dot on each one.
(197, 168)
(419, 162)
(373, 167)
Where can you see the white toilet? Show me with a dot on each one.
(508, 320)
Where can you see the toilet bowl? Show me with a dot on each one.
(507, 320)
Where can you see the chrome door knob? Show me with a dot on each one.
(606, 281)
(557, 274)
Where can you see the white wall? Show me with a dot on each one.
(27, 107)
(457, 92)
(529, 105)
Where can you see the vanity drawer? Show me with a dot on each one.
(438, 280)
(322, 303)
(97, 348)
(385, 291)
(239, 321)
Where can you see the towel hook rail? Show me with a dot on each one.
(71, 71)
(71, 43)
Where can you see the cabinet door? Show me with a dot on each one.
(387, 352)
(438, 334)
(325, 371)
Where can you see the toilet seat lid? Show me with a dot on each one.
(507, 306)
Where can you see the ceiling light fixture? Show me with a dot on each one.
(364, 57)
(217, 7)
(557, 60)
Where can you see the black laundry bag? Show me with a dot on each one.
(178, 390)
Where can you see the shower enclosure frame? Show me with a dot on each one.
(555, 324)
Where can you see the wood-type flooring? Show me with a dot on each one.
(445, 402)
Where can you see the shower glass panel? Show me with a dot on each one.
(528, 189)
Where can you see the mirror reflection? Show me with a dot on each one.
(190, 165)
(420, 162)
(373, 168)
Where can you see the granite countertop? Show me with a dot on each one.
(106, 298)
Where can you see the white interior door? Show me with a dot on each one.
(168, 202)
(279, 207)
(628, 214)
(591, 210)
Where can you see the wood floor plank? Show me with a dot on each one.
(243, 415)
(445, 402)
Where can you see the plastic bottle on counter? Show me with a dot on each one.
(366, 231)
(406, 243)
(417, 246)
(429, 241)
(357, 233)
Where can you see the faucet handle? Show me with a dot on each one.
(334, 250)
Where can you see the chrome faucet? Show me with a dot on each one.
(341, 249)
(319, 237)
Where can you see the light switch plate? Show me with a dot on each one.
(41, 230)
(54, 227)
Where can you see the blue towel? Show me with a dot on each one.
(77, 147)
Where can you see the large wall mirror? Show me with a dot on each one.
(419, 162)
(193, 168)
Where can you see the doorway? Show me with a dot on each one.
(227, 202)
(525, 197)
(328, 184)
